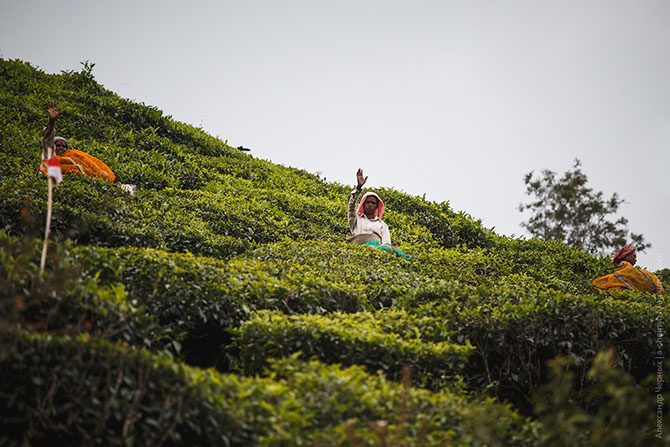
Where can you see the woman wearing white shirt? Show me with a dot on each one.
(365, 222)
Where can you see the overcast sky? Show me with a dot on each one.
(454, 99)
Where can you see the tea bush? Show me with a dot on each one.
(78, 390)
(612, 410)
(350, 339)
(355, 408)
(202, 297)
(64, 391)
(512, 337)
(515, 334)
(63, 301)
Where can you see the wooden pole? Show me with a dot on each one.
(47, 228)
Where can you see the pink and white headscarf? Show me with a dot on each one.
(379, 212)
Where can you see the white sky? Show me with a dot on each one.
(454, 99)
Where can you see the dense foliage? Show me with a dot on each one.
(221, 305)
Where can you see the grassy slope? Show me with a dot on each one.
(215, 235)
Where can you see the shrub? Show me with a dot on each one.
(215, 235)
(64, 391)
(62, 301)
(354, 408)
(515, 334)
(612, 410)
(375, 341)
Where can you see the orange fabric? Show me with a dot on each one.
(629, 277)
(77, 162)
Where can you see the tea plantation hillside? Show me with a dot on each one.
(221, 305)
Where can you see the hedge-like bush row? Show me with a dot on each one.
(63, 301)
(63, 391)
(73, 391)
(196, 298)
(514, 334)
(385, 279)
(92, 211)
(220, 221)
(350, 339)
(203, 297)
(356, 408)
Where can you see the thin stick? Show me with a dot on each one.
(47, 228)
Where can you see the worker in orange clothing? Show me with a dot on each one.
(72, 161)
(626, 276)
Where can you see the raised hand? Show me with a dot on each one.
(360, 179)
(52, 111)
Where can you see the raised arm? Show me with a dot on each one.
(360, 181)
(49, 131)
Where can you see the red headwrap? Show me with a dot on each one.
(623, 253)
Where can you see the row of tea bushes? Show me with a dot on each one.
(385, 279)
(73, 391)
(198, 299)
(357, 408)
(92, 211)
(510, 335)
(315, 277)
(221, 220)
(216, 223)
(350, 339)
(515, 333)
(65, 302)
(203, 297)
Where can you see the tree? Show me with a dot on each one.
(567, 210)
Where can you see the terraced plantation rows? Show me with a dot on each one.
(221, 305)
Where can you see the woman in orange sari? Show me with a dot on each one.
(625, 276)
(72, 161)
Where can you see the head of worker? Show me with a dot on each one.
(371, 206)
(60, 144)
(627, 254)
